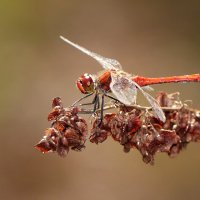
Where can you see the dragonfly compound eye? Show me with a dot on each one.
(85, 84)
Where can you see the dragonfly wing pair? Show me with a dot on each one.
(106, 63)
(157, 110)
(125, 89)
(121, 85)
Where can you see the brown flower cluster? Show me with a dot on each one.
(136, 129)
(132, 127)
(68, 130)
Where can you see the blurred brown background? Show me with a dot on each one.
(151, 38)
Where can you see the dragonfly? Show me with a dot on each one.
(124, 86)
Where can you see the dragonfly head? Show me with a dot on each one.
(86, 84)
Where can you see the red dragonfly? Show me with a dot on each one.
(123, 85)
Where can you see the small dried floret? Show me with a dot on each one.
(55, 113)
(101, 131)
(56, 102)
(43, 146)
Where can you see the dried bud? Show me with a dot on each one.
(100, 131)
(54, 114)
(43, 146)
(56, 102)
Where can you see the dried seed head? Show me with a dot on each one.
(149, 135)
(68, 131)
(132, 127)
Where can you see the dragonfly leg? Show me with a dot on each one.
(96, 101)
(101, 111)
(87, 104)
(82, 98)
(102, 108)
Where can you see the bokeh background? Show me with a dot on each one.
(150, 38)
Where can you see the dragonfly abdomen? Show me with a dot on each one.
(144, 81)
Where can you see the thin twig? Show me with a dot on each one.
(145, 108)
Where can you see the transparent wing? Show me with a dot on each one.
(123, 88)
(147, 88)
(158, 112)
(106, 63)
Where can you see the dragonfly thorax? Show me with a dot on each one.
(86, 84)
